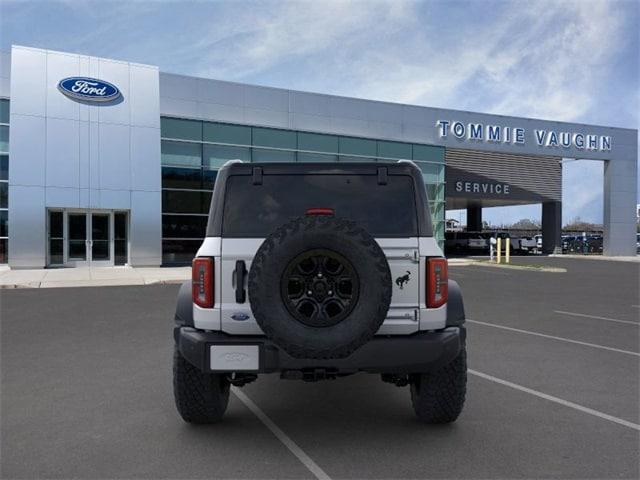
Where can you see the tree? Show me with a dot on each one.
(525, 224)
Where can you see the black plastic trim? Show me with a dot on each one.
(399, 354)
(455, 305)
(184, 306)
(241, 272)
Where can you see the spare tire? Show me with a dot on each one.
(320, 287)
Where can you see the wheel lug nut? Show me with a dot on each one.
(330, 292)
(309, 292)
(319, 275)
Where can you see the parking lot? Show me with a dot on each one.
(553, 391)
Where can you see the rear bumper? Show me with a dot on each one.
(415, 353)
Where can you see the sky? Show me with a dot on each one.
(558, 60)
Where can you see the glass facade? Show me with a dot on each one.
(193, 151)
(4, 180)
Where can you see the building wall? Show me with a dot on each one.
(71, 154)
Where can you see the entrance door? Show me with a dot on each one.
(100, 242)
(77, 240)
(87, 238)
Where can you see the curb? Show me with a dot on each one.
(89, 284)
(520, 267)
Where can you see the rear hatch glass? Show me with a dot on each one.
(257, 210)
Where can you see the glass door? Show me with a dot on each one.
(77, 240)
(100, 242)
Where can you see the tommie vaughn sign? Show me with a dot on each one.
(88, 89)
(478, 132)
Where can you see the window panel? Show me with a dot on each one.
(261, 155)
(428, 153)
(4, 139)
(215, 156)
(431, 172)
(4, 251)
(435, 191)
(358, 146)
(55, 224)
(225, 133)
(4, 220)
(179, 251)
(4, 167)
(4, 111)
(174, 177)
(184, 226)
(182, 201)
(271, 137)
(4, 194)
(180, 153)
(394, 150)
(317, 143)
(209, 179)
(346, 158)
(316, 157)
(178, 128)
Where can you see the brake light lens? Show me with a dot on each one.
(202, 282)
(437, 282)
(319, 211)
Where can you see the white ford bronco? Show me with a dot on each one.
(318, 271)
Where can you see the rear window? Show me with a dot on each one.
(257, 210)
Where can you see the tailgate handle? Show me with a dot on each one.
(241, 271)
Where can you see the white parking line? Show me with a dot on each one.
(596, 317)
(560, 401)
(562, 339)
(280, 435)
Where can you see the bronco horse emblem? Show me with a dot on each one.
(400, 281)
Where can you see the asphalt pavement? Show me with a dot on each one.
(553, 391)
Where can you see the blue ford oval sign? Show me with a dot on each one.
(89, 89)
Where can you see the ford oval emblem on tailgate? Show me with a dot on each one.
(240, 316)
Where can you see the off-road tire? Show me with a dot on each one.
(438, 396)
(305, 234)
(200, 397)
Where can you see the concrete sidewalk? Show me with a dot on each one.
(91, 277)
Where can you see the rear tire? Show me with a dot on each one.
(438, 396)
(200, 397)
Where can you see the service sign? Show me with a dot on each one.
(88, 89)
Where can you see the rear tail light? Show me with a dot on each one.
(319, 211)
(202, 282)
(437, 282)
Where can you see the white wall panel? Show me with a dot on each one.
(271, 118)
(144, 97)
(63, 153)
(118, 74)
(28, 81)
(115, 199)
(223, 93)
(62, 197)
(145, 155)
(59, 66)
(146, 226)
(265, 98)
(28, 228)
(115, 155)
(223, 113)
(27, 142)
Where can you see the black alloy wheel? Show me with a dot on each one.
(320, 287)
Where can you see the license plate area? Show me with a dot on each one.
(234, 358)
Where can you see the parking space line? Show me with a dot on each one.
(280, 435)
(562, 339)
(560, 401)
(596, 317)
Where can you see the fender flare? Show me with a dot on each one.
(455, 305)
(184, 306)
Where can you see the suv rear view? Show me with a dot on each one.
(318, 271)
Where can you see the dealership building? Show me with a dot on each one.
(108, 162)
